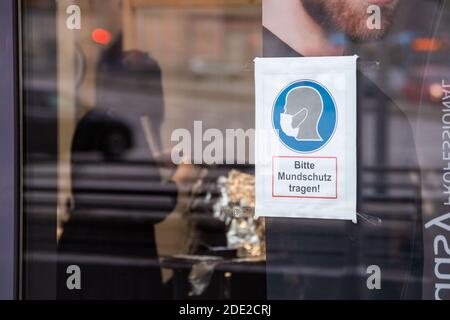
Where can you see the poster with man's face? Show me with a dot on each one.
(402, 194)
(309, 23)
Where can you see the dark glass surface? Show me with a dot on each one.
(101, 105)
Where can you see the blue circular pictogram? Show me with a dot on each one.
(305, 116)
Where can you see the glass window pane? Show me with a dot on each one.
(138, 125)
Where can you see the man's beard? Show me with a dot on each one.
(350, 18)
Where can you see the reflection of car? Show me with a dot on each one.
(104, 133)
(426, 82)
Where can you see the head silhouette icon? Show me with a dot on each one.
(302, 113)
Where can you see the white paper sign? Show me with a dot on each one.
(306, 137)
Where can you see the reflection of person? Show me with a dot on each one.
(110, 234)
(329, 259)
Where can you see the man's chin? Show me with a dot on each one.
(340, 15)
(359, 30)
(366, 34)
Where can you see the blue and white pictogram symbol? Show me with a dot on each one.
(305, 116)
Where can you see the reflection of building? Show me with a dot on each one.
(200, 39)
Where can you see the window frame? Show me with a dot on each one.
(10, 126)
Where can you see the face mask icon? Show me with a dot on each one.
(302, 113)
(286, 121)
